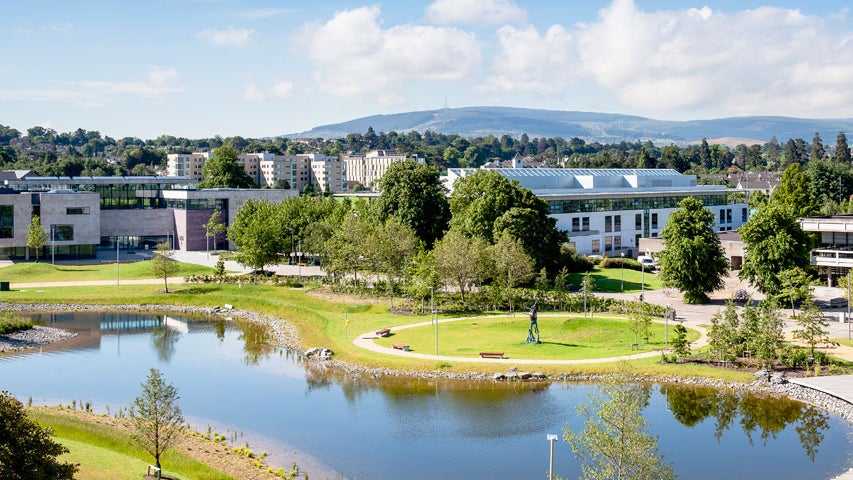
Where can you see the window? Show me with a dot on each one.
(722, 216)
(585, 222)
(743, 217)
(638, 221)
(608, 244)
(608, 223)
(617, 223)
(77, 211)
(576, 224)
(62, 233)
(728, 215)
(617, 243)
(596, 246)
(654, 220)
(7, 221)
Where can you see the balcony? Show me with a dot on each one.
(832, 258)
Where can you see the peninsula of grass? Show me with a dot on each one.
(563, 337)
(615, 280)
(32, 272)
(320, 319)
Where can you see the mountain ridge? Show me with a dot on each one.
(480, 121)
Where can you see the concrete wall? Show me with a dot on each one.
(137, 222)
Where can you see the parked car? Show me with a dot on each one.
(647, 262)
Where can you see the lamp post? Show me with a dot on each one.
(207, 240)
(434, 315)
(643, 282)
(666, 332)
(622, 264)
(117, 262)
(551, 440)
(53, 244)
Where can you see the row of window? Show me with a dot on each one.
(631, 203)
(612, 223)
(610, 244)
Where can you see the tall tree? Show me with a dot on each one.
(793, 192)
(693, 259)
(818, 151)
(156, 416)
(414, 193)
(461, 261)
(224, 171)
(774, 243)
(615, 442)
(214, 226)
(842, 150)
(812, 329)
(348, 249)
(258, 234)
(163, 264)
(36, 236)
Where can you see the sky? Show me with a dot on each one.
(253, 68)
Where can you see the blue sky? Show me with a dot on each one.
(199, 68)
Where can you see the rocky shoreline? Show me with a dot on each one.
(37, 336)
(285, 335)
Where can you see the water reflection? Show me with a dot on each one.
(256, 341)
(755, 415)
(164, 339)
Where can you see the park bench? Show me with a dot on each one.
(400, 346)
(491, 354)
(383, 332)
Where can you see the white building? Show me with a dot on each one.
(187, 164)
(366, 169)
(329, 174)
(607, 211)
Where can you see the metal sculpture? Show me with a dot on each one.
(534, 327)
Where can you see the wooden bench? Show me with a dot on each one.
(491, 354)
(383, 332)
(400, 346)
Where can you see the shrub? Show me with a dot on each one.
(11, 323)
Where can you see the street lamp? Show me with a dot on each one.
(666, 332)
(207, 240)
(643, 283)
(551, 440)
(622, 254)
(117, 262)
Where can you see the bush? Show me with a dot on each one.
(10, 323)
(619, 262)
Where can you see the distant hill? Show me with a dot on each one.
(601, 127)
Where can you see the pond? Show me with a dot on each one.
(230, 379)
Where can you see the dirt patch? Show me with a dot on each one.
(221, 457)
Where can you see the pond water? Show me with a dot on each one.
(404, 428)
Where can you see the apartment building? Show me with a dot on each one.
(366, 169)
(187, 164)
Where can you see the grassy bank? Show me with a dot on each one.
(320, 320)
(105, 450)
(32, 272)
(10, 323)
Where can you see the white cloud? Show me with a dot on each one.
(490, 12)
(283, 89)
(253, 93)
(766, 60)
(354, 56)
(94, 93)
(229, 37)
(532, 62)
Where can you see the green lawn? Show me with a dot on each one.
(563, 337)
(107, 453)
(610, 280)
(30, 272)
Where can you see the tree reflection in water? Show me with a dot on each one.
(691, 406)
(256, 341)
(164, 339)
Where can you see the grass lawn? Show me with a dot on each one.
(563, 337)
(31, 272)
(106, 452)
(320, 320)
(610, 280)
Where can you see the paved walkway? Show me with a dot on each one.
(839, 386)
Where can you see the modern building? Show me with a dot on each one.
(834, 256)
(607, 211)
(366, 169)
(82, 214)
(187, 164)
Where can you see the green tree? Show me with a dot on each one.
(36, 236)
(224, 171)
(812, 327)
(818, 152)
(214, 226)
(392, 246)
(513, 266)
(348, 247)
(774, 243)
(258, 234)
(793, 195)
(680, 345)
(156, 416)
(795, 284)
(414, 193)
(767, 339)
(693, 259)
(615, 442)
(461, 261)
(842, 150)
(163, 264)
(27, 450)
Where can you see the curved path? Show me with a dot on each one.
(366, 341)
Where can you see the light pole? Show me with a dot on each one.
(551, 440)
(643, 283)
(53, 244)
(117, 262)
(622, 263)
(666, 332)
(434, 315)
(207, 240)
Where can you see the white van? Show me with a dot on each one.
(648, 262)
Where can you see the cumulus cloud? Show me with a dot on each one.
(94, 93)
(229, 37)
(253, 93)
(283, 89)
(766, 60)
(353, 55)
(532, 62)
(461, 12)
